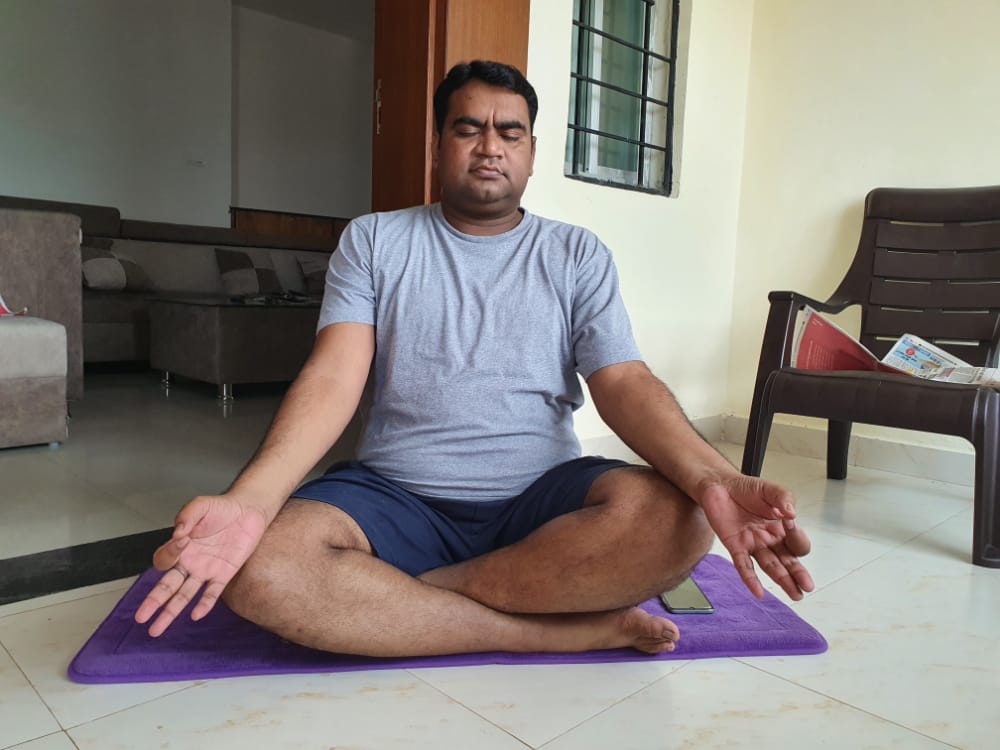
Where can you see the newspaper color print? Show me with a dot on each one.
(4, 310)
(820, 344)
(914, 355)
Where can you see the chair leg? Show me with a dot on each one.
(758, 431)
(986, 514)
(838, 439)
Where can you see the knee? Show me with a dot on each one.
(305, 536)
(688, 536)
(661, 513)
(650, 501)
(694, 539)
(254, 587)
(698, 531)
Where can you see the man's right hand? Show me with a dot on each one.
(213, 537)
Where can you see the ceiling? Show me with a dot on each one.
(351, 18)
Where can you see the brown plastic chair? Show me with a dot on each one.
(928, 263)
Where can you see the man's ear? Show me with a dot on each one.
(435, 148)
(531, 164)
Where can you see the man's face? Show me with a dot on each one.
(485, 152)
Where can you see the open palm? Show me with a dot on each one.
(213, 537)
(755, 520)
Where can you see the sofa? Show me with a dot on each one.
(40, 351)
(40, 271)
(126, 264)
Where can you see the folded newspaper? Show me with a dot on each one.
(4, 310)
(820, 344)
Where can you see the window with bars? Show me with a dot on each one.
(622, 93)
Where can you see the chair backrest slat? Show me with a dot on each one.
(913, 236)
(928, 263)
(948, 264)
(967, 326)
(940, 294)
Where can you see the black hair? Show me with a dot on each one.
(489, 72)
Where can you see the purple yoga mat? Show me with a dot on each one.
(225, 645)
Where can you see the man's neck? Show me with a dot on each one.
(481, 226)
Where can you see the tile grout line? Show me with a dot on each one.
(570, 729)
(42, 737)
(848, 705)
(620, 701)
(72, 600)
(34, 690)
(65, 728)
(192, 686)
(891, 548)
(471, 710)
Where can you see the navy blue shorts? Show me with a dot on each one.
(417, 533)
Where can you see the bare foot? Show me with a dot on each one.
(645, 632)
(624, 628)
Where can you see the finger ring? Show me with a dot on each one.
(181, 570)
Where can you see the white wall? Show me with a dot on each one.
(173, 111)
(302, 109)
(845, 97)
(118, 102)
(675, 255)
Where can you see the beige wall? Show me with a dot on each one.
(793, 111)
(844, 97)
(675, 255)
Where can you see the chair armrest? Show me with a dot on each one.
(779, 333)
(993, 352)
(833, 306)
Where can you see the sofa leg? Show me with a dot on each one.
(165, 380)
(225, 391)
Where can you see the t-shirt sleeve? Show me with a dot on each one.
(602, 332)
(349, 294)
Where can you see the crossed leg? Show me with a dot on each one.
(571, 585)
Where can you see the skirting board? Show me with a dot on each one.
(899, 457)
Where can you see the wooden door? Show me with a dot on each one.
(404, 60)
(416, 43)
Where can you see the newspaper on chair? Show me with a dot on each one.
(820, 344)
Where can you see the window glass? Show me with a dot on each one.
(621, 91)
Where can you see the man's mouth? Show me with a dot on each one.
(486, 170)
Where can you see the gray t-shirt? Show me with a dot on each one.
(478, 342)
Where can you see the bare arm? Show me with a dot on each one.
(313, 415)
(752, 517)
(645, 415)
(215, 535)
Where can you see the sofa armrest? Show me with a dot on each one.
(40, 270)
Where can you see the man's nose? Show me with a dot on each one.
(490, 143)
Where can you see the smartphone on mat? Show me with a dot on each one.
(687, 599)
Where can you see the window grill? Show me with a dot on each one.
(620, 129)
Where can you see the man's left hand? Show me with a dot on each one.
(755, 520)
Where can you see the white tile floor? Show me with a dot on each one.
(912, 626)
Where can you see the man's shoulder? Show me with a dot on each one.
(371, 229)
(564, 228)
(574, 237)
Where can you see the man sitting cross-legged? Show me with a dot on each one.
(470, 522)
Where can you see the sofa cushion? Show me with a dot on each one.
(110, 271)
(314, 271)
(242, 274)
